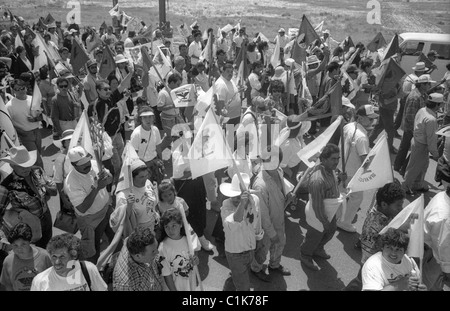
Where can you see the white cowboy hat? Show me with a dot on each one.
(66, 135)
(425, 79)
(21, 156)
(420, 66)
(233, 189)
(120, 59)
(293, 122)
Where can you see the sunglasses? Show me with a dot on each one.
(106, 89)
(63, 86)
(21, 88)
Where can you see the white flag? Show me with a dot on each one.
(319, 27)
(314, 148)
(416, 231)
(18, 41)
(275, 58)
(129, 156)
(209, 151)
(115, 11)
(444, 131)
(82, 136)
(184, 96)
(36, 100)
(376, 169)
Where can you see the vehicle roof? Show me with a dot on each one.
(423, 36)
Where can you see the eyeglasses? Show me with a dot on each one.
(106, 89)
(63, 86)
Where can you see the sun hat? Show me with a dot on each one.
(91, 62)
(120, 59)
(20, 156)
(436, 98)
(281, 30)
(66, 135)
(289, 62)
(233, 189)
(420, 66)
(294, 121)
(367, 111)
(425, 79)
(78, 155)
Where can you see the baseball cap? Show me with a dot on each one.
(78, 155)
(367, 111)
(281, 30)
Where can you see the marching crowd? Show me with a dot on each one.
(137, 191)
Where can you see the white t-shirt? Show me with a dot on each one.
(175, 263)
(195, 49)
(377, 272)
(145, 142)
(78, 186)
(19, 111)
(49, 280)
(227, 90)
(356, 144)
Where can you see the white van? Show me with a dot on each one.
(412, 43)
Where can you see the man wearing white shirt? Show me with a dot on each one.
(195, 48)
(85, 186)
(356, 148)
(228, 95)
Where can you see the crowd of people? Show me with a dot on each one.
(154, 225)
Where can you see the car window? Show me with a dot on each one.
(442, 49)
(412, 48)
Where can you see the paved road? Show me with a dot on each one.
(335, 273)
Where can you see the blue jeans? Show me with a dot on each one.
(239, 264)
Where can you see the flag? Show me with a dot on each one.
(209, 51)
(204, 101)
(82, 136)
(146, 64)
(444, 131)
(242, 65)
(298, 53)
(6, 124)
(319, 27)
(390, 74)
(392, 49)
(114, 11)
(425, 59)
(209, 151)
(41, 59)
(346, 44)
(184, 96)
(261, 37)
(125, 19)
(161, 65)
(309, 33)
(103, 25)
(275, 58)
(314, 148)
(49, 19)
(78, 57)
(376, 43)
(41, 24)
(416, 230)
(36, 100)
(18, 41)
(108, 64)
(376, 169)
(228, 28)
(128, 157)
(183, 30)
(135, 25)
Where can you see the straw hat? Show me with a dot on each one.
(66, 135)
(233, 189)
(21, 156)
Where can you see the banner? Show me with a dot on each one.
(377, 43)
(414, 210)
(309, 33)
(108, 64)
(209, 151)
(128, 157)
(184, 96)
(376, 170)
(314, 148)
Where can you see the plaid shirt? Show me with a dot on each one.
(33, 198)
(130, 275)
(414, 102)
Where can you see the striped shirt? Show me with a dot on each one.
(414, 102)
(322, 185)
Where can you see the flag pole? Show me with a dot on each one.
(211, 59)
